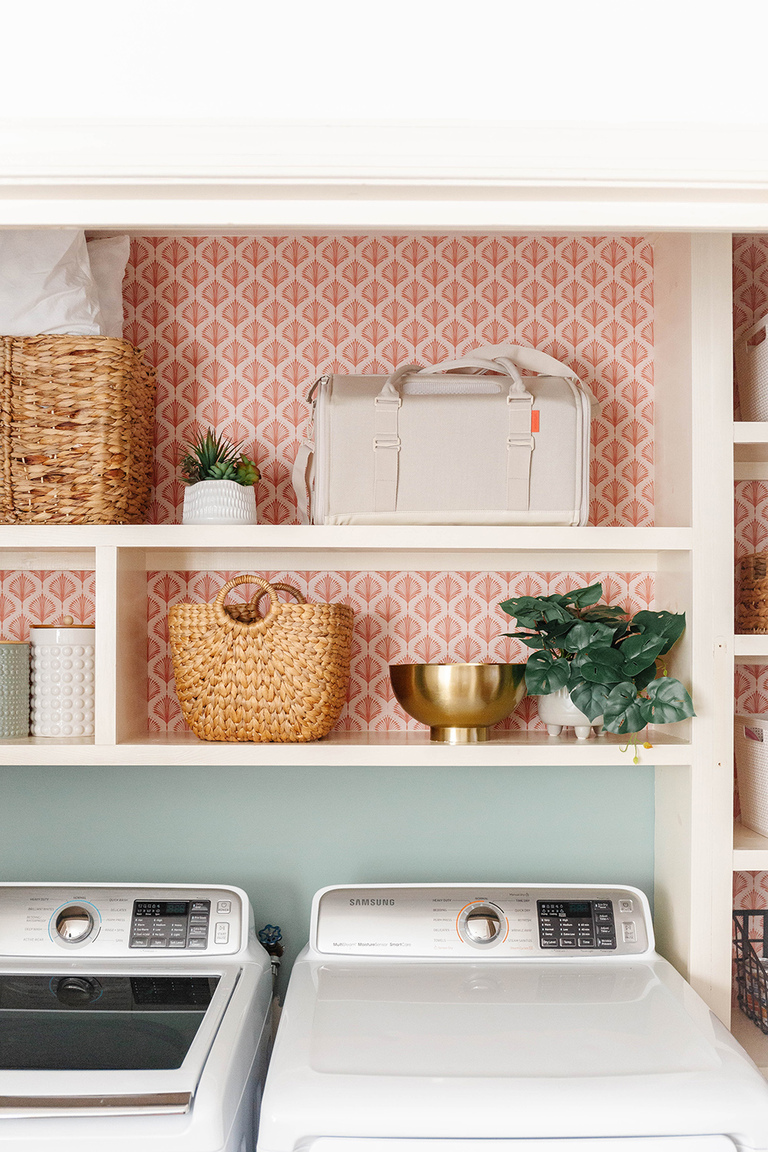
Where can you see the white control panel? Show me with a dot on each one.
(480, 921)
(121, 920)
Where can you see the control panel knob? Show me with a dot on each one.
(75, 991)
(482, 924)
(74, 924)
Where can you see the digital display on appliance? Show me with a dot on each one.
(160, 907)
(577, 908)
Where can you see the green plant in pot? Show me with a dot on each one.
(220, 481)
(606, 664)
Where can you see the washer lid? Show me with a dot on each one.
(80, 1043)
(468, 1050)
(464, 1020)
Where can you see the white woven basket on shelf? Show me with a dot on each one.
(752, 371)
(751, 743)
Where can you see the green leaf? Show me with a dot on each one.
(532, 641)
(640, 651)
(583, 597)
(582, 635)
(605, 613)
(590, 698)
(599, 665)
(625, 711)
(668, 701)
(545, 674)
(670, 625)
(642, 679)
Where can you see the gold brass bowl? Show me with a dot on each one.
(459, 702)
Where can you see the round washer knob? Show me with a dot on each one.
(482, 924)
(75, 991)
(74, 924)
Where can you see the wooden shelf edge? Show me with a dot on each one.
(526, 749)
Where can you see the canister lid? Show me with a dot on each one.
(66, 622)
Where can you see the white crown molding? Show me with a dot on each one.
(238, 174)
(603, 155)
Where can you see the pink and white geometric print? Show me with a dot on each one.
(750, 304)
(29, 598)
(399, 617)
(239, 327)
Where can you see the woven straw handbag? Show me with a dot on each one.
(282, 677)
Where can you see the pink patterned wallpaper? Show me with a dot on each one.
(399, 616)
(240, 327)
(750, 303)
(28, 598)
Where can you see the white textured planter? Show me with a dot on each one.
(219, 502)
(558, 711)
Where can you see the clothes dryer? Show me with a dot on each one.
(507, 1018)
(132, 1017)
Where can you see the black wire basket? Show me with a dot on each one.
(749, 940)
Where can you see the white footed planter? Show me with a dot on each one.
(219, 502)
(558, 711)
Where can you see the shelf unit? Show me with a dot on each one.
(689, 552)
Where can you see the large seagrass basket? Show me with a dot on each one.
(282, 677)
(752, 594)
(76, 430)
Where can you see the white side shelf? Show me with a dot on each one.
(750, 850)
(750, 443)
(750, 649)
(751, 1038)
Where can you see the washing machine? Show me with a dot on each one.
(132, 1017)
(431, 1018)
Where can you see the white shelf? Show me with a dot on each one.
(750, 850)
(360, 749)
(751, 1038)
(209, 547)
(750, 649)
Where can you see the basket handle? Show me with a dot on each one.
(280, 587)
(266, 587)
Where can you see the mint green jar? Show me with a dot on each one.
(14, 689)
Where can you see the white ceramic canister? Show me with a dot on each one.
(62, 679)
(14, 689)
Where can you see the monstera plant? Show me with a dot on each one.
(611, 663)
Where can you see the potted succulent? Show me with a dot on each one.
(220, 480)
(604, 666)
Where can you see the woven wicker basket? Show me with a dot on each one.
(752, 595)
(76, 430)
(281, 678)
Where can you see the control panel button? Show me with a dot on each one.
(221, 934)
(224, 907)
(629, 932)
(626, 905)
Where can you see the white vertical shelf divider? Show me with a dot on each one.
(106, 645)
(693, 806)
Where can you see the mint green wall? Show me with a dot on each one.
(283, 833)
